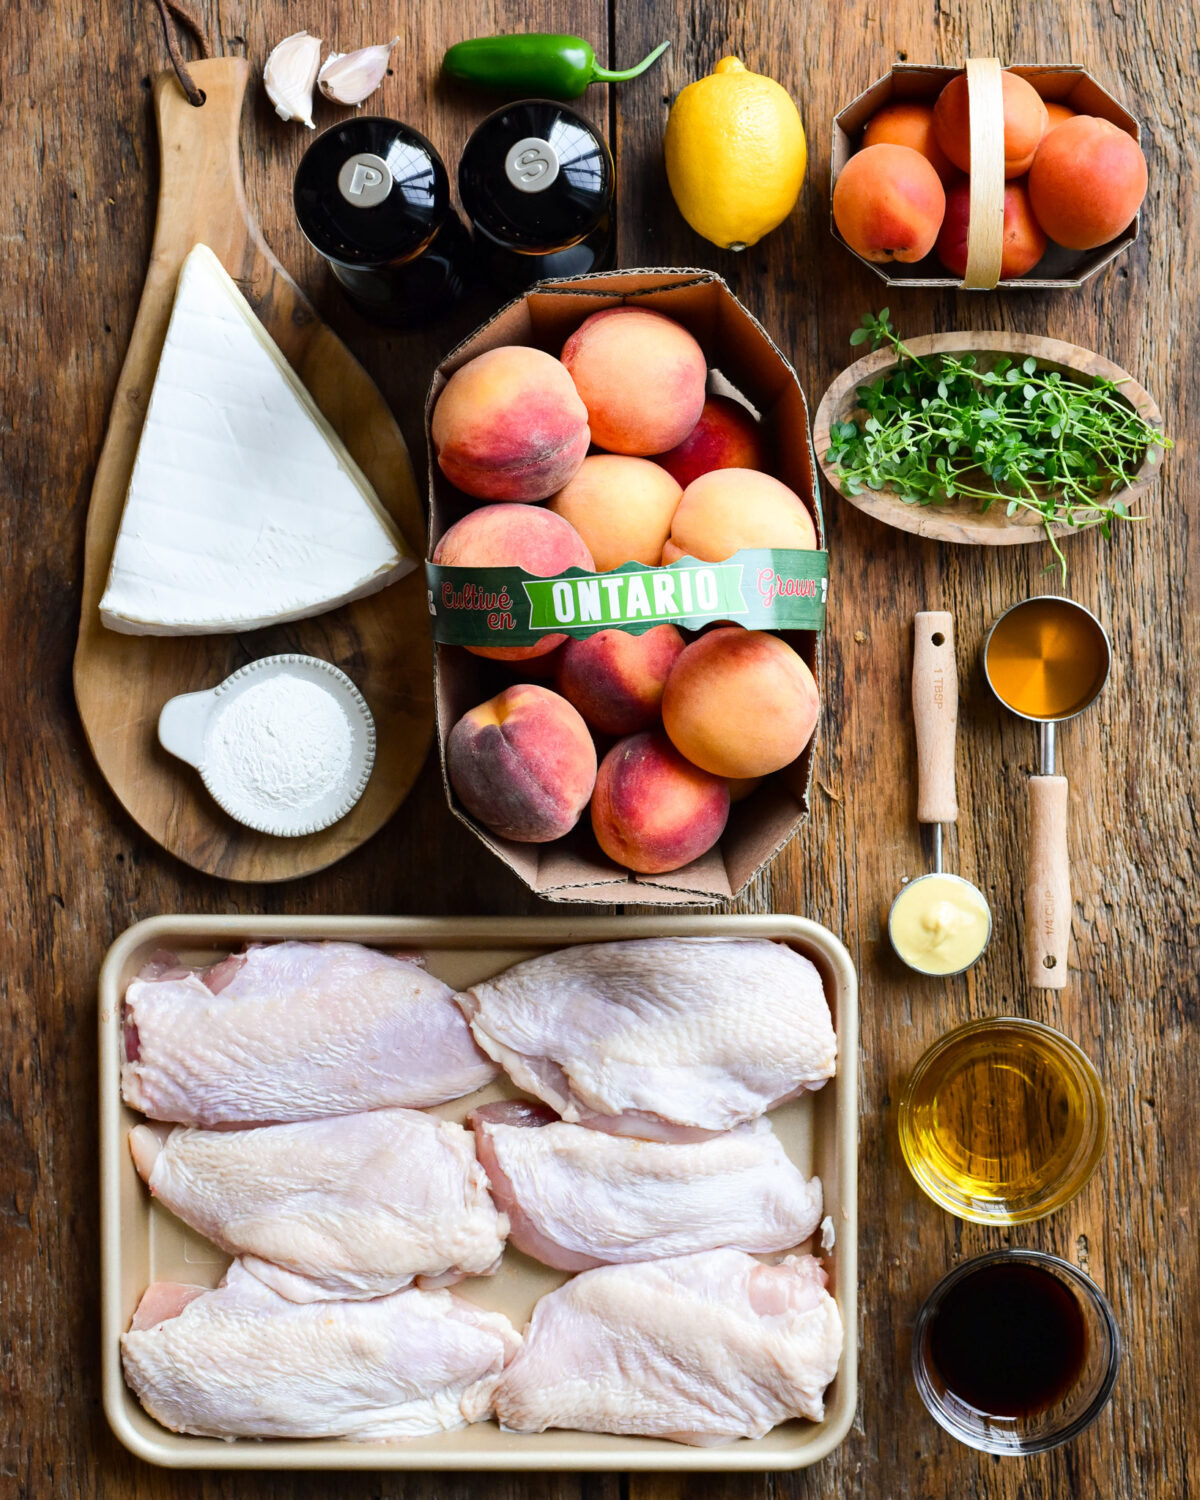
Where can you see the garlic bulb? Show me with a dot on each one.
(351, 77)
(289, 76)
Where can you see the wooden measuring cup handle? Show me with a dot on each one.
(1048, 885)
(985, 228)
(935, 714)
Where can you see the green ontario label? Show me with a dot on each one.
(762, 588)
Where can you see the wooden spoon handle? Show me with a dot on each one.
(935, 713)
(1048, 885)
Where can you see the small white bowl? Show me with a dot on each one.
(186, 724)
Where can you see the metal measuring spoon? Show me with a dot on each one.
(935, 714)
(1048, 872)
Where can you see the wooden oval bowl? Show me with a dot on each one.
(959, 520)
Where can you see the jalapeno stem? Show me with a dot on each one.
(611, 75)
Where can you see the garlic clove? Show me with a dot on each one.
(290, 74)
(351, 77)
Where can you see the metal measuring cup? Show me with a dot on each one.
(1048, 870)
(935, 717)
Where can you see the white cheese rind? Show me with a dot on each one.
(244, 509)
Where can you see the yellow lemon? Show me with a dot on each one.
(735, 154)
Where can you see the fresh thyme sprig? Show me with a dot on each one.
(940, 428)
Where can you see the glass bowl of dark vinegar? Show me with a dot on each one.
(1015, 1352)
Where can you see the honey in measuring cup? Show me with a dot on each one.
(1002, 1121)
(1046, 657)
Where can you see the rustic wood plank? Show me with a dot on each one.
(76, 230)
(1133, 833)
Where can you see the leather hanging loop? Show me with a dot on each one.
(169, 9)
(985, 231)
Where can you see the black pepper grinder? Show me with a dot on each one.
(536, 181)
(373, 197)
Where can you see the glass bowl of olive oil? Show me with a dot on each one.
(1015, 1352)
(1002, 1121)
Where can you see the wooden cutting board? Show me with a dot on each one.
(382, 642)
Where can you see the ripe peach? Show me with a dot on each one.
(740, 787)
(621, 507)
(909, 122)
(1087, 182)
(616, 679)
(654, 811)
(740, 703)
(1057, 114)
(523, 764)
(1024, 242)
(641, 376)
(726, 437)
(888, 203)
(728, 509)
(509, 425)
(1025, 122)
(514, 536)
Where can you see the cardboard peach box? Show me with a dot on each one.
(1062, 83)
(738, 348)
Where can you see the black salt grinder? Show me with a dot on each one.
(536, 181)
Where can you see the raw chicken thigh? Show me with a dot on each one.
(577, 1198)
(355, 1206)
(665, 1038)
(701, 1349)
(293, 1031)
(242, 1361)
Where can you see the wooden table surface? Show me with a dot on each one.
(80, 172)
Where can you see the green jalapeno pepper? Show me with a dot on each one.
(555, 67)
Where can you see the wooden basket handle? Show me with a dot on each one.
(985, 231)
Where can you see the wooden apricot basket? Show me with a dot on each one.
(1059, 83)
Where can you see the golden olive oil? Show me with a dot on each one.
(1002, 1121)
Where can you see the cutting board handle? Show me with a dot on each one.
(200, 190)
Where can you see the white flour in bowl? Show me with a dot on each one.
(285, 743)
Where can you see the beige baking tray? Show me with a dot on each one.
(141, 1242)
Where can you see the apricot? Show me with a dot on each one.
(727, 436)
(621, 507)
(1087, 182)
(652, 810)
(510, 425)
(909, 122)
(616, 679)
(1058, 113)
(740, 703)
(728, 509)
(1025, 122)
(514, 536)
(523, 763)
(641, 376)
(1024, 242)
(888, 203)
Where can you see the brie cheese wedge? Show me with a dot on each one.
(244, 508)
